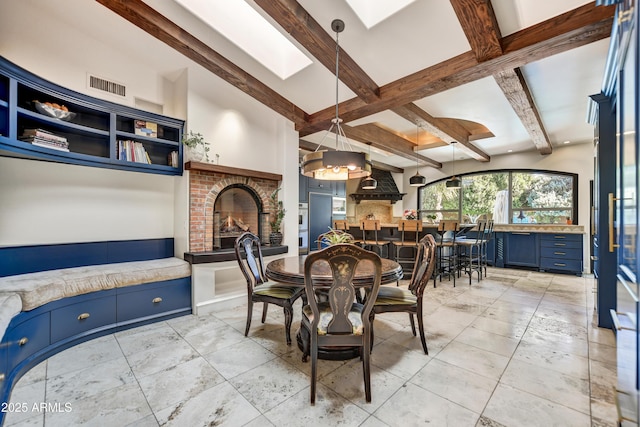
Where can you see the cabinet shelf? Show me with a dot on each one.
(93, 133)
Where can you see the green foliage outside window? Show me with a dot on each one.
(508, 197)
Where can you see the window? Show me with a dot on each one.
(514, 197)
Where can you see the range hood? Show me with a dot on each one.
(386, 189)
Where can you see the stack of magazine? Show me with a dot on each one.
(43, 138)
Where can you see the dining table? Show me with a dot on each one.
(290, 271)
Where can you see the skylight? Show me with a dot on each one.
(247, 29)
(372, 12)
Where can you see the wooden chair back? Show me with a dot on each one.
(424, 266)
(249, 256)
(411, 226)
(340, 224)
(343, 260)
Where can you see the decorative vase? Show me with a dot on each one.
(275, 238)
(195, 154)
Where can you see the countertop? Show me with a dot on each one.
(518, 228)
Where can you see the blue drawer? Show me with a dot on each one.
(74, 319)
(26, 338)
(561, 240)
(154, 300)
(572, 265)
(561, 253)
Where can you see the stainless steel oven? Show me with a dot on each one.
(303, 228)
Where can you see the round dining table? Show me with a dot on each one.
(290, 271)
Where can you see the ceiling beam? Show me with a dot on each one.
(310, 147)
(157, 25)
(445, 131)
(480, 25)
(515, 89)
(296, 21)
(387, 141)
(579, 27)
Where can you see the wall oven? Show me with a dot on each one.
(303, 228)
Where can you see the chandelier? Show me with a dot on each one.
(341, 164)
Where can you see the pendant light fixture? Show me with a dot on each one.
(341, 164)
(454, 182)
(417, 180)
(369, 183)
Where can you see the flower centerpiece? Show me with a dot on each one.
(410, 214)
(277, 215)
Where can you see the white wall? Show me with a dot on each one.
(46, 203)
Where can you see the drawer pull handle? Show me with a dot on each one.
(156, 300)
(521, 234)
(83, 316)
(559, 264)
(23, 341)
(560, 244)
(559, 253)
(559, 237)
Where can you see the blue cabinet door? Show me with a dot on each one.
(521, 249)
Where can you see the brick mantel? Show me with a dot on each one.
(206, 181)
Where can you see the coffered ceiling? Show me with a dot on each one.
(492, 75)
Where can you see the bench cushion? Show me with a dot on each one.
(36, 289)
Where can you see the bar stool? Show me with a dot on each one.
(371, 227)
(447, 251)
(470, 251)
(488, 235)
(406, 249)
(340, 224)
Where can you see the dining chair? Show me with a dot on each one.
(488, 236)
(446, 251)
(340, 321)
(470, 251)
(259, 289)
(397, 300)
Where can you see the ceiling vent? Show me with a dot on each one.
(107, 86)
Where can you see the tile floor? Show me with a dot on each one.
(517, 349)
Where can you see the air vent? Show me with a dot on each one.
(107, 86)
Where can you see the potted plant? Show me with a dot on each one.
(276, 215)
(197, 146)
(334, 237)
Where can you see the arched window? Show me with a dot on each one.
(508, 197)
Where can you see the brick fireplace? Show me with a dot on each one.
(226, 201)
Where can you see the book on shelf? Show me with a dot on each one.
(172, 159)
(132, 151)
(47, 144)
(145, 128)
(43, 142)
(41, 133)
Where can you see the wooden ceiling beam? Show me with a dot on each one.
(480, 25)
(160, 27)
(296, 21)
(387, 141)
(584, 25)
(515, 89)
(445, 131)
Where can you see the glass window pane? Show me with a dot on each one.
(481, 195)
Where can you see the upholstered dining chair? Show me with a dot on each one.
(249, 256)
(393, 300)
(340, 321)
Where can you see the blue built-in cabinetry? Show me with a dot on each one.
(98, 133)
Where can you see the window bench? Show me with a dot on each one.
(53, 297)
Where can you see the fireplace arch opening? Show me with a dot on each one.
(237, 209)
